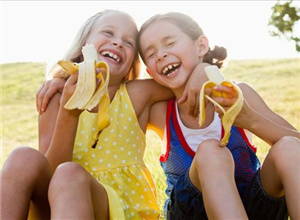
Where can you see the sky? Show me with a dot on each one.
(41, 31)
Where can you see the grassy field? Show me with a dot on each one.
(277, 81)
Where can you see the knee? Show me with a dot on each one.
(284, 151)
(25, 162)
(67, 176)
(210, 154)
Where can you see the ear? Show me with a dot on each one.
(203, 45)
(148, 71)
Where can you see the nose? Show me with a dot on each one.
(161, 55)
(117, 42)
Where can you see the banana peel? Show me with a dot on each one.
(216, 78)
(85, 95)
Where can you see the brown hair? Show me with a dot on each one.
(74, 54)
(190, 28)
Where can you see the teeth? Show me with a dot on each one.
(169, 67)
(111, 55)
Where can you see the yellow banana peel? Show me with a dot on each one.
(216, 78)
(85, 95)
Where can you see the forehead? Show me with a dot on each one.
(162, 28)
(118, 21)
(159, 31)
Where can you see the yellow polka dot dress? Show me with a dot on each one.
(116, 160)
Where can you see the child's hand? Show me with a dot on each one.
(193, 87)
(47, 91)
(227, 102)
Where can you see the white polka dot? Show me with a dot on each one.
(79, 157)
(132, 192)
(124, 127)
(112, 130)
(86, 150)
(106, 139)
(121, 148)
(116, 110)
(101, 160)
(99, 147)
(93, 116)
(140, 177)
(129, 119)
(131, 132)
(129, 153)
(142, 197)
(93, 155)
(123, 161)
(129, 180)
(127, 140)
(120, 135)
(121, 115)
(107, 151)
(93, 129)
(108, 165)
(80, 144)
(126, 106)
(86, 163)
(115, 156)
(134, 145)
(82, 132)
(114, 143)
(145, 189)
(94, 168)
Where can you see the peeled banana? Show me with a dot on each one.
(85, 95)
(216, 78)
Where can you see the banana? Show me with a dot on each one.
(216, 78)
(85, 95)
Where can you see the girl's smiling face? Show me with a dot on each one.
(114, 36)
(169, 54)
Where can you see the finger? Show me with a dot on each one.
(72, 79)
(39, 98)
(47, 96)
(191, 101)
(225, 101)
(230, 90)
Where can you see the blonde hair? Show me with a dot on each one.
(74, 54)
(190, 28)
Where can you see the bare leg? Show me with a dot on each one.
(75, 194)
(212, 172)
(280, 173)
(25, 178)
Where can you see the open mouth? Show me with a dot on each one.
(111, 55)
(170, 69)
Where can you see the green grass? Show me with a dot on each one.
(277, 81)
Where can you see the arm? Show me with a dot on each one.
(57, 140)
(257, 117)
(143, 94)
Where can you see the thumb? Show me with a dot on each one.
(184, 97)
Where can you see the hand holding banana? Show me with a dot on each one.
(216, 78)
(85, 95)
